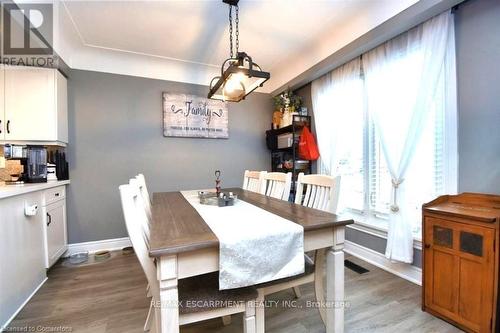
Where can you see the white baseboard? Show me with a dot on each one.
(405, 271)
(4, 325)
(92, 247)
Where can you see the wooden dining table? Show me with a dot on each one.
(185, 246)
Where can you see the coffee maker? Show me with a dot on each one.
(34, 162)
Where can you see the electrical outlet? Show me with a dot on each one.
(2, 162)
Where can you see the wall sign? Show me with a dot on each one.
(194, 116)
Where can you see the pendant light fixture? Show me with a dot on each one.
(239, 74)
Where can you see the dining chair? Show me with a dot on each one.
(139, 182)
(276, 184)
(252, 181)
(201, 289)
(321, 192)
(144, 193)
(144, 223)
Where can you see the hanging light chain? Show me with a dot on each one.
(231, 31)
(237, 29)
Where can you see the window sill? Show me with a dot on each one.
(376, 226)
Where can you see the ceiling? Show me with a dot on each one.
(188, 40)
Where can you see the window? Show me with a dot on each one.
(388, 117)
(366, 187)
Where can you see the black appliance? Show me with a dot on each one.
(32, 158)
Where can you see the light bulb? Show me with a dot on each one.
(234, 88)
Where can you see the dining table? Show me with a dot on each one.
(183, 246)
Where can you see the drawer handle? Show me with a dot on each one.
(49, 219)
(57, 194)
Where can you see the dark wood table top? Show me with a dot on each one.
(177, 227)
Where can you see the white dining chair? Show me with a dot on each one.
(252, 181)
(144, 223)
(318, 191)
(201, 289)
(276, 184)
(139, 182)
(144, 193)
(321, 192)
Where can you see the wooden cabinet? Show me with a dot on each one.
(35, 105)
(55, 234)
(460, 268)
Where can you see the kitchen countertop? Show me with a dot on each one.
(12, 190)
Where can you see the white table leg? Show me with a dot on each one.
(168, 313)
(335, 284)
(260, 312)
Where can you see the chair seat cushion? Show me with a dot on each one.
(308, 269)
(201, 293)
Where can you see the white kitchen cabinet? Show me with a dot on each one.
(2, 112)
(35, 105)
(55, 234)
(22, 266)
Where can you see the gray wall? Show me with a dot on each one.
(115, 126)
(478, 74)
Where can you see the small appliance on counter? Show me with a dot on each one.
(34, 162)
(51, 172)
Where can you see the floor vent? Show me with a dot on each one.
(355, 267)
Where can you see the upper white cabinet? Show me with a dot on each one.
(35, 105)
(2, 112)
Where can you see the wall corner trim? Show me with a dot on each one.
(101, 245)
(405, 271)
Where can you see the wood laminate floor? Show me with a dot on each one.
(109, 297)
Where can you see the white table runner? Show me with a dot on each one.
(255, 246)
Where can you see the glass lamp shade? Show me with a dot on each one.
(236, 82)
(234, 88)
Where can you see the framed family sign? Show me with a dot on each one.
(194, 117)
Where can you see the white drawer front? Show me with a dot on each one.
(54, 194)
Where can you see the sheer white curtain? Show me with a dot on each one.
(337, 101)
(401, 78)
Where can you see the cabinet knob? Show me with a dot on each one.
(427, 246)
(8, 126)
(0, 126)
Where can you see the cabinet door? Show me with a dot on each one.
(2, 106)
(30, 112)
(441, 267)
(459, 263)
(55, 222)
(476, 276)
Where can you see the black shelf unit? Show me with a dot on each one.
(280, 155)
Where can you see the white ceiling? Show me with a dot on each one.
(188, 40)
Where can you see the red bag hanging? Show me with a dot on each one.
(308, 149)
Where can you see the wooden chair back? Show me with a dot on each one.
(141, 180)
(135, 217)
(277, 185)
(252, 181)
(321, 192)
